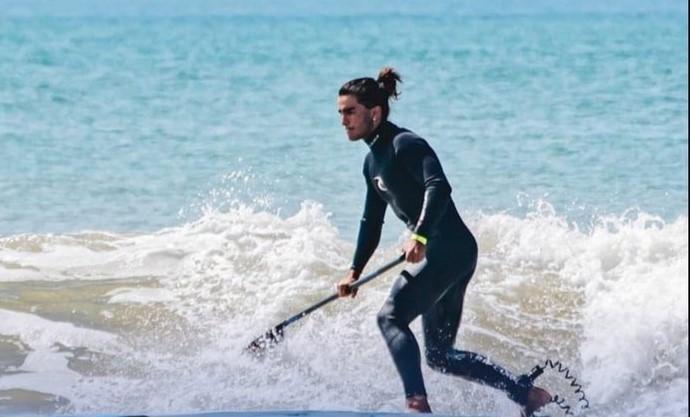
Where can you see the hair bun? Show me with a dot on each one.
(388, 80)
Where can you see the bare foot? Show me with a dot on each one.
(536, 399)
(418, 404)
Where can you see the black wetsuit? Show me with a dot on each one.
(401, 170)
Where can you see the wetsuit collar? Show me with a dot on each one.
(377, 134)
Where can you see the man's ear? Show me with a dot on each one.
(376, 114)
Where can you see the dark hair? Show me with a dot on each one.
(370, 92)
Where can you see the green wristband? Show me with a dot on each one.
(419, 238)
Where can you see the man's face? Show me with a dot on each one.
(358, 120)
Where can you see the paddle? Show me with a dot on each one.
(275, 335)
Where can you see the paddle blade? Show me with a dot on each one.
(268, 340)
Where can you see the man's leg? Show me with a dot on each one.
(441, 323)
(414, 292)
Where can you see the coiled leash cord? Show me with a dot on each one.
(562, 369)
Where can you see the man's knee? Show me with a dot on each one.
(390, 317)
(385, 317)
(437, 360)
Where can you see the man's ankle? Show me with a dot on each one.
(418, 404)
(536, 399)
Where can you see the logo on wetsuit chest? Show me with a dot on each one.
(380, 184)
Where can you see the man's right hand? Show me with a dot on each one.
(343, 286)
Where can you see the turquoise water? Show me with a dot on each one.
(174, 181)
(133, 123)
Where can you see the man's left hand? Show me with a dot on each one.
(414, 251)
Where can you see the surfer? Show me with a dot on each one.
(403, 172)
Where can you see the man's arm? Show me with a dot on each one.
(423, 165)
(369, 229)
(367, 239)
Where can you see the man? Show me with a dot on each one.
(402, 171)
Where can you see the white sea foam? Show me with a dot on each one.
(48, 344)
(610, 302)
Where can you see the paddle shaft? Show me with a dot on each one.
(332, 297)
(275, 334)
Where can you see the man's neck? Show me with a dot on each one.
(374, 136)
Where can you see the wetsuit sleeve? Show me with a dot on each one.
(423, 165)
(369, 227)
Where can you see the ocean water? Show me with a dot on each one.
(174, 181)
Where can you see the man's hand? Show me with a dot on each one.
(414, 251)
(343, 286)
